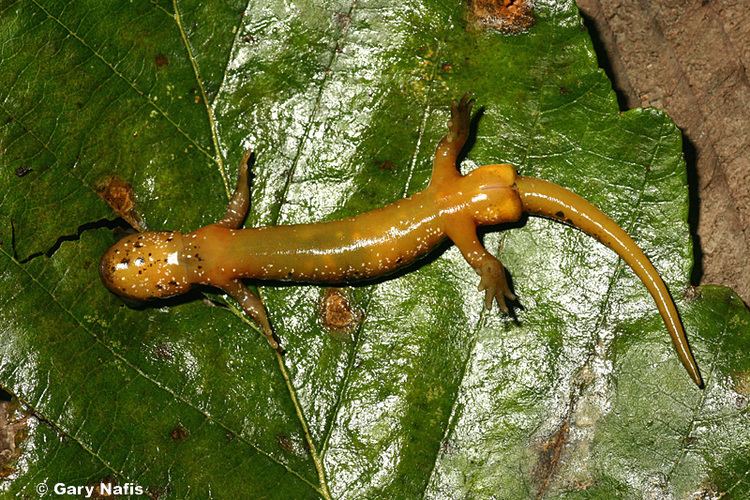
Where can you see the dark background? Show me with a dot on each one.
(691, 59)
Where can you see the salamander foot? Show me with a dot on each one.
(458, 125)
(494, 284)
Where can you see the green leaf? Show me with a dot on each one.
(424, 394)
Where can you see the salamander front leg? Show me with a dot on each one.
(463, 232)
(444, 163)
(240, 201)
(253, 306)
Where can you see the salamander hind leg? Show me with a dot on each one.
(444, 163)
(253, 306)
(462, 231)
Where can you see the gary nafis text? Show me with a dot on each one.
(101, 489)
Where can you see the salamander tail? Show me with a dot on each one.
(545, 199)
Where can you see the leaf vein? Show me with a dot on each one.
(219, 158)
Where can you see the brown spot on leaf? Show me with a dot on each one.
(163, 351)
(119, 196)
(583, 484)
(156, 492)
(285, 442)
(387, 165)
(336, 312)
(692, 293)
(13, 431)
(707, 490)
(446, 67)
(161, 60)
(508, 16)
(740, 402)
(549, 458)
(22, 171)
(741, 383)
(343, 20)
(179, 433)
(99, 493)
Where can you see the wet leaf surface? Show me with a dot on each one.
(422, 393)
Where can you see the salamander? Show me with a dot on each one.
(153, 265)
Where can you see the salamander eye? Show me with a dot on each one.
(145, 266)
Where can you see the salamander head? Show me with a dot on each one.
(145, 266)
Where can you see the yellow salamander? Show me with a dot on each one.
(161, 264)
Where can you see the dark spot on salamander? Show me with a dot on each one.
(125, 261)
(173, 282)
(159, 287)
(560, 214)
